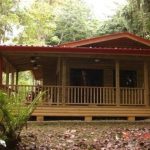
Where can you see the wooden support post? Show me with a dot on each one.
(17, 77)
(16, 80)
(88, 118)
(117, 66)
(146, 86)
(1, 71)
(39, 118)
(131, 118)
(58, 71)
(12, 77)
(64, 69)
(12, 80)
(7, 74)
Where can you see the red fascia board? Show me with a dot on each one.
(83, 50)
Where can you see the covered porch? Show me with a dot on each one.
(82, 81)
(64, 96)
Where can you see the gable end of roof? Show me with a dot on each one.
(107, 38)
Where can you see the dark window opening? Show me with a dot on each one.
(86, 77)
(128, 78)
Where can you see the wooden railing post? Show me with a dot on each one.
(12, 77)
(146, 86)
(117, 69)
(17, 73)
(7, 74)
(64, 70)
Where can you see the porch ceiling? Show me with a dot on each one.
(22, 62)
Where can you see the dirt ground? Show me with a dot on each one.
(86, 136)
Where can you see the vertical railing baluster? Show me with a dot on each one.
(94, 92)
(67, 95)
(135, 94)
(97, 95)
(100, 95)
(138, 94)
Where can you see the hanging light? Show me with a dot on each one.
(36, 66)
(32, 59)
(96, 60)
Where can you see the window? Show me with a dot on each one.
(86, 77)
(128, 78)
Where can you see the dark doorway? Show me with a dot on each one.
(86, 77)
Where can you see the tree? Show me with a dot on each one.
(112, 25)
(55, 22)
(134, 17)
(37, 24)
(137, 14)
(8, 18)
(74, 21)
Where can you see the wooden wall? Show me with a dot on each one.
(108, 77)
(49, 74)
(52, 73)
(108, 66)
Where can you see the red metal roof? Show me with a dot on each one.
(75, 50)
(88, 46)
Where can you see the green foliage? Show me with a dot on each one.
(37, 24)
(115, 24)
(74, 21)
(54, 22)
(15, 115)
(137, 14)
(134, 18)
(25, 78)
(8, 18)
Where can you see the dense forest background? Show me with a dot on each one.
(51, 22)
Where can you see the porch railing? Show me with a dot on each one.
(78, 95)
(132, 96)
(90, 95)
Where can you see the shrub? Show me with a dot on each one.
(14, 115)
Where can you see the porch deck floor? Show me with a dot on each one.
(91, 111)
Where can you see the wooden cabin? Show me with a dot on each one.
(106, 76)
